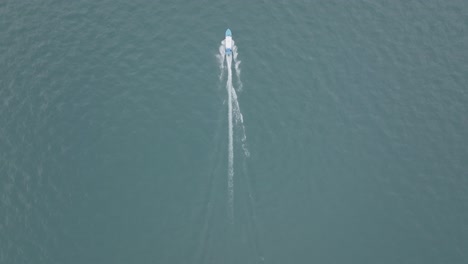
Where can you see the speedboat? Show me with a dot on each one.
(228, 42)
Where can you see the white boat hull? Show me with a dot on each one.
(228, 42)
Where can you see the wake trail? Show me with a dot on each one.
(240, 121)
(237, 65)
(236, 131)
(235, 118)
(237, 113)
(230, 141)
(220, 58)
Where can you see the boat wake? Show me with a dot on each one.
(241, 230)
(237, 66)
(235, 118)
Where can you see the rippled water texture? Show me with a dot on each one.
(114, 132)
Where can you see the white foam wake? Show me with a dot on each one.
(237, 63)
(220, 58)
(235, 118)
(230, 140)
(239, 122)
(236, 109)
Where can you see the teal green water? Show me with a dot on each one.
(114, 132)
